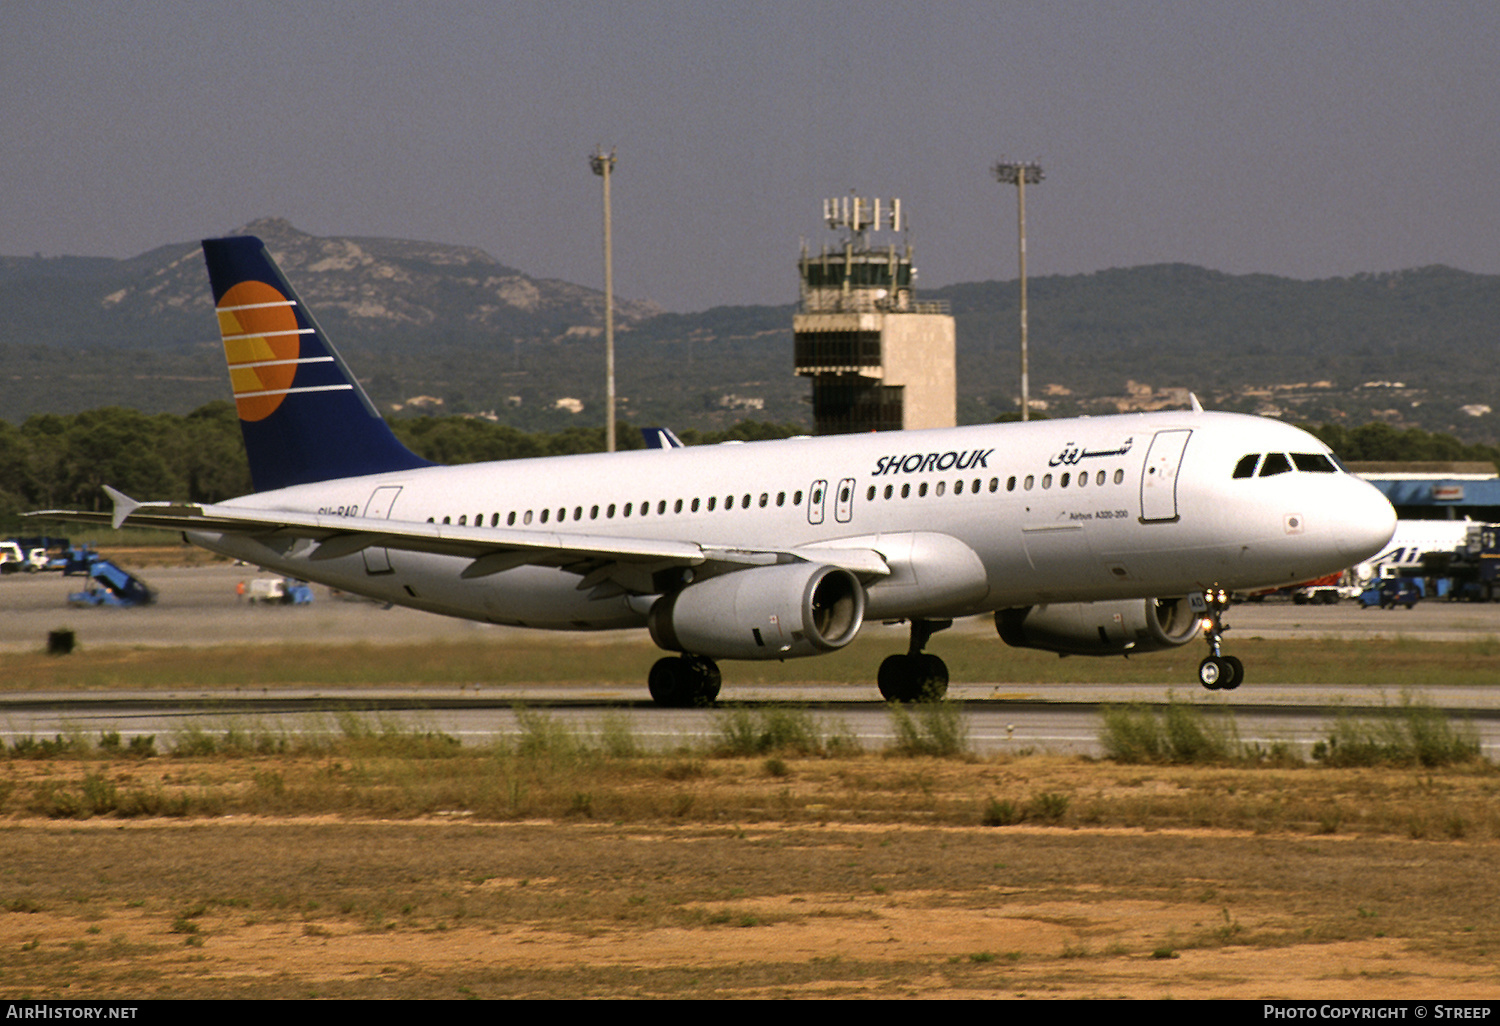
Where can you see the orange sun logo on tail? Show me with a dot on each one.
(262, 342)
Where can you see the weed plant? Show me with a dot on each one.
(389, 739)
(1049, 807)
(1000, 812)
(1180, 734)
(545, 739)
(617, 737)
(930, 728)
(1411, 734)
(59, 747)
(195, 740)
(784, 729)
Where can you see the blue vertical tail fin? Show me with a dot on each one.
(661, 438)
(304, 416)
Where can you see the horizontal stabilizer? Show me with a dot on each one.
(124, 506)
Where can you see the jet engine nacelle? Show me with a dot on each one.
(772, 612)
(1101, 628)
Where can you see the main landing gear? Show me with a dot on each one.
(1218, 672)
(680, 682)
(916, 676)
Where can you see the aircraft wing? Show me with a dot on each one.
(616, 564)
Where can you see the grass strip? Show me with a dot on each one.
(1393, 663)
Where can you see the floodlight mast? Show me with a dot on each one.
(1021, 175)
(603, 165)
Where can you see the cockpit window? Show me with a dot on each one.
(1279, 463)
(1313, 462)
(1275, 463)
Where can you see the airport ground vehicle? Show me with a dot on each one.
(1390, 593)
(31, 554)
(278, 591)
(1328, 590)
(74, 559)
(12, 559)
(109, 585)
(16, 557)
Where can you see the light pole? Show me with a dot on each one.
(604, 165)
(1021, 175)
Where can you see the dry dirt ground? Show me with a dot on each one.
(790, 902)
(802, 906)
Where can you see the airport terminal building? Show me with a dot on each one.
(1437, 490)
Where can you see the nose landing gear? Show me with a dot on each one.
(1218, 672)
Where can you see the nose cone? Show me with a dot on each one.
(1366, 522)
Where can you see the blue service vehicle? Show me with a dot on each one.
(111, 586)
(1392, 592)
(76, 559)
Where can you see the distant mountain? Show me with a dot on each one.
(1235, 329)
(436, 328)
(385, 289)
(85, 332)
(1414, 347)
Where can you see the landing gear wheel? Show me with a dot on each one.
(934, 678)
(1212, 671)
(916, 676)
(920, 677)
(1236, 674)
(681, 682)
(892, 678)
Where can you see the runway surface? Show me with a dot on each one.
(199, 606)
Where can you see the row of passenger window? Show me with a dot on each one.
(629, 509)
(1029, 482)
(1273, 463)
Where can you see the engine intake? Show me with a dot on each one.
(773, 612)
(1101, 628)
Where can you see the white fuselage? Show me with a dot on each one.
(969, 519)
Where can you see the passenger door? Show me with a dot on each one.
(1159, 476)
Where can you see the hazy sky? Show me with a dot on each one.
(1310, 140)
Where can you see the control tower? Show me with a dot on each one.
(879, 360)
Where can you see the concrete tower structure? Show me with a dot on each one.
(879, 360)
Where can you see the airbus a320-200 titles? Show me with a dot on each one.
(1100, 536)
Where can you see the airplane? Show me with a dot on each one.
(1102, 536)
(1412, 540)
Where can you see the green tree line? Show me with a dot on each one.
(55, 461)
(1379, 442)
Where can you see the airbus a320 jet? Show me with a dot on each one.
(1096, 536)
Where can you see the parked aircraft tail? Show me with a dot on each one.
(304, 416)
(661, 438)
